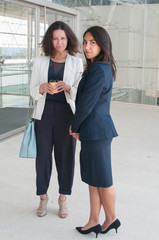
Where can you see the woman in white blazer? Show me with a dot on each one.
(54, 110)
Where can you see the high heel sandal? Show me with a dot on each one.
(63, 212)
(114, 225)
(42, 209)
(96, 229)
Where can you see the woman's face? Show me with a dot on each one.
(59, 40)
(90, 47)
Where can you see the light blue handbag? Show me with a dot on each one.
(28, 147)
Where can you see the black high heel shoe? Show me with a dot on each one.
(114, 225)
(96, 229)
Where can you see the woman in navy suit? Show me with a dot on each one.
(93, 126)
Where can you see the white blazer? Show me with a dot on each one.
(72, 75)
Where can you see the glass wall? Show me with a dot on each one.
(22, 26)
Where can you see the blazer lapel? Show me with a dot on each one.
(68, 71)
(44, 70)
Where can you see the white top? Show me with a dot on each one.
(72, 75)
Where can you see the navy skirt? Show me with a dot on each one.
(95, 163)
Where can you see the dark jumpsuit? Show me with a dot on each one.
(52, 132)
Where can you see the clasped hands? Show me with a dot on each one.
(75, 135)
(58, 87)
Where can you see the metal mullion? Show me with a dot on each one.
(17, 34)
(37, 31)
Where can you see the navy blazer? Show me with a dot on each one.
(92, 118)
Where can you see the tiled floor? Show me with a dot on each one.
(135, 161)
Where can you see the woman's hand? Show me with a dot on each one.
(62, 86)
(47, 88)
(75, 135)
(58, 87)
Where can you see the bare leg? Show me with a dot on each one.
(62, 197)
(43, 197)
(108, 198)
(63, 211)
(95, 206)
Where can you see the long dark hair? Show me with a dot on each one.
(103, 40)
(72, 44)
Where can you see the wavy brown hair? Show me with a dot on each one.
(103, 40)
(72, 44)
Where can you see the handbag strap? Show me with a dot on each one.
(31, 108)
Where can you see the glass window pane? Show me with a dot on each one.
(17, 50)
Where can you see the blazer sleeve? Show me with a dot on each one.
(87, 99)
(34, 81)
(78, 74)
